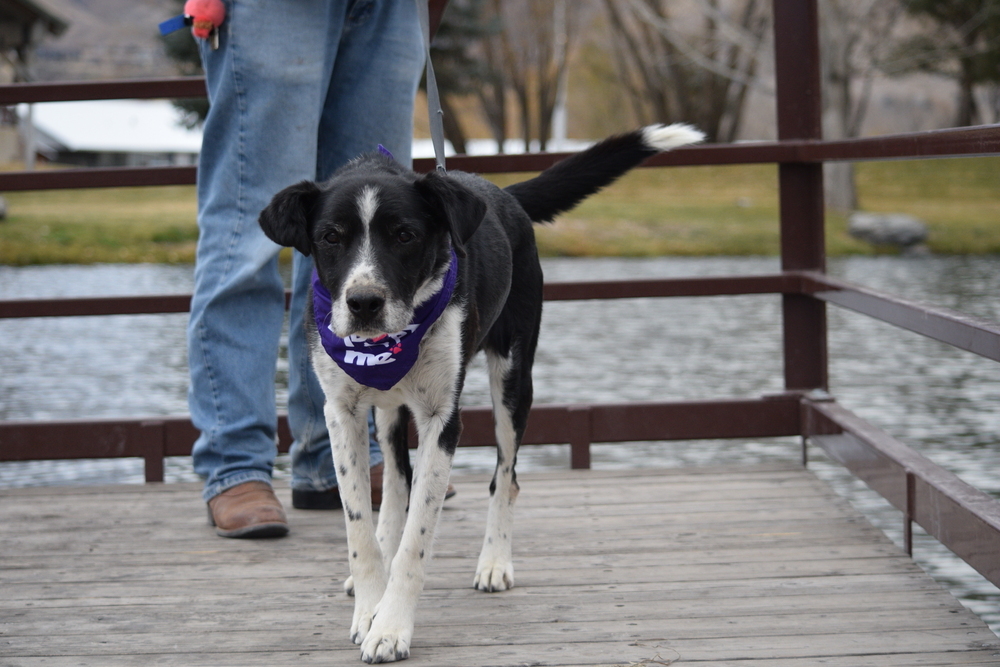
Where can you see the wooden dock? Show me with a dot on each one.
(750, 566)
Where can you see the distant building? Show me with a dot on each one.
(23, 25)
(114, 133)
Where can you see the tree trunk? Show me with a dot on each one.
(493, 100)
(839, 189)
(966, 114)
(838, 177)
(453, 131)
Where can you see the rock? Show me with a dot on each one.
(887, 229)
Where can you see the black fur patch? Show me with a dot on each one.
(399, 441)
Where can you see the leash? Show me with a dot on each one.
(434, 112)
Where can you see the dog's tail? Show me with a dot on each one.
(568, 182)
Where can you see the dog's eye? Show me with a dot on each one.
(333, 238)
(405, 236)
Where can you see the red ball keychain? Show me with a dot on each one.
(206, 16)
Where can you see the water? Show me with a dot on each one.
(939, 400)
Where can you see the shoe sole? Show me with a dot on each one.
(255, 531)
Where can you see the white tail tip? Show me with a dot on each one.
(666, 137)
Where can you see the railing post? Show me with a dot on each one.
(797, 74)
(153, 436)
(580, 436)
(911, 511)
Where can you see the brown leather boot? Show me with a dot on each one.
(248, 510)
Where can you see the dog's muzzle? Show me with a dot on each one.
(365, 304)
(367, 308)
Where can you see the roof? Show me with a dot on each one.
(117, 126)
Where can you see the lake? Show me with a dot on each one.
(939, 400)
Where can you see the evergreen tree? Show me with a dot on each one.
(966, 48)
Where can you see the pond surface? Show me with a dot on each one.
(941, 401)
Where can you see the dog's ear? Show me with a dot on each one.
(286, 220)
(454, 204)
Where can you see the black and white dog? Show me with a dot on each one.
(414, 275)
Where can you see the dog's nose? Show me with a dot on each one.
(365, 304)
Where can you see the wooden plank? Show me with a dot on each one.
(100, 594)
(462, 525)
(706, 641)
(779, 591)
(34, 567)
(558, 607)
(528, 573)
(628, 656)
(653, 501)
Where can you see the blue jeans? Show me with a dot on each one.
(297, 89)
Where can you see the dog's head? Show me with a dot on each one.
(380, 237)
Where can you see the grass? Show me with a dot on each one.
(959, 199)
(690, 211)
(731, 210)
(103, 225)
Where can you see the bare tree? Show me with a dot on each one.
(492, 89)
(856, 44)
(690, 61)
(529, 57)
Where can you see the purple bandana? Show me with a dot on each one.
(383, 361)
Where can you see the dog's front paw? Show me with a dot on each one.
(349, 586)
(367, 593)
(361, 624)
(386, 644)
(494, 574)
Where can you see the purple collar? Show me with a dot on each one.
(383, 361)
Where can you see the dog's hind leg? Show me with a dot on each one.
(511, 389)
(391, 426)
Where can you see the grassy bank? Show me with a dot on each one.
(690, 211)
(734, 210)
(105, 225)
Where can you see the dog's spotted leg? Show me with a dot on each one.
(433, 397)
(495, 570)
(392, 628)
(391, 426)
(347, 423)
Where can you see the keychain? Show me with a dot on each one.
(204, 17)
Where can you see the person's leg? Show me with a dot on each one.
(265, 86)
(373, 86)
(374, 75)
